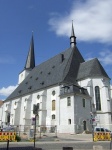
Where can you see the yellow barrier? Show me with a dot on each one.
(4, 136)
(102, 136)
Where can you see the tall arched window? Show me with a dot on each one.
(97, 96)
(53, 105)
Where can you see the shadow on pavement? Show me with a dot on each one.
(21, 148)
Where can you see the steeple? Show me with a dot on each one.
(72, 38)
(30, 61)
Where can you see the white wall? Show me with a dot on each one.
(106, 105)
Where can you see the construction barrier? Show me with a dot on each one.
(102, 136)
(4, 136)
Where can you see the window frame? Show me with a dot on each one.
(84, 102)
(97, 98)
(69, 121)
(53, 116)
(69, 101)
(53, 105)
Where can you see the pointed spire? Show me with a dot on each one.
(72, 38)
(30, 61)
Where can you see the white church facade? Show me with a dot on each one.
(68, 90)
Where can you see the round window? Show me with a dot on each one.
(53, 93)
(38, 96)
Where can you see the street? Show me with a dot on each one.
(78, 142)
(59, 145)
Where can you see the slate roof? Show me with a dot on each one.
(30, 61)
(91, 68)
(66, 67)
(62, 68)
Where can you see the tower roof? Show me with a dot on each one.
(72, 37)
(30, 61)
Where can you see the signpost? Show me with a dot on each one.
(35, 112)
(92, 125)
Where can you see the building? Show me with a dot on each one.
(69, 91)
(1, 103)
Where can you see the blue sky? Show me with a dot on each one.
(51, 22)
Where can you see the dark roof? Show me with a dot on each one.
(66, 67)
(62, 68)
(30, 61)
(91, 68)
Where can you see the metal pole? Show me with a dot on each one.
(110, 141)
(92, 131)
(7, 144)
(35, 131)
(92, 126)
(56, 131)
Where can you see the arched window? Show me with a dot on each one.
(53, 105)
(8, 118)
(53, 116)
(97, 96)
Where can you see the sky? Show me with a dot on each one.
(51, 21)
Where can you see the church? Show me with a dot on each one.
(71, 93)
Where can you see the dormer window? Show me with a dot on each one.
(53, 67)
(49, 73)
(66, 89)
(29, 87)
(42, 83)
(19, 91)
(36, 78)
(30, 77)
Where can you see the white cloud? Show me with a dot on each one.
(106, 57)
(92, 21)
(7, 91)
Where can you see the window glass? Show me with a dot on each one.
(83, 102)
(53, 105)
(68, 101)
(97, 96)
(53, 93)
(69, 121)
(53, 116)
(102, 130)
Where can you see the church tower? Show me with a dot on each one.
(30, 62)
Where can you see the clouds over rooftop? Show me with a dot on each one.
(7, 91)
(106, 57)
(92, 21)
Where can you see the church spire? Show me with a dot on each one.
(72, 38)
(30, 61)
